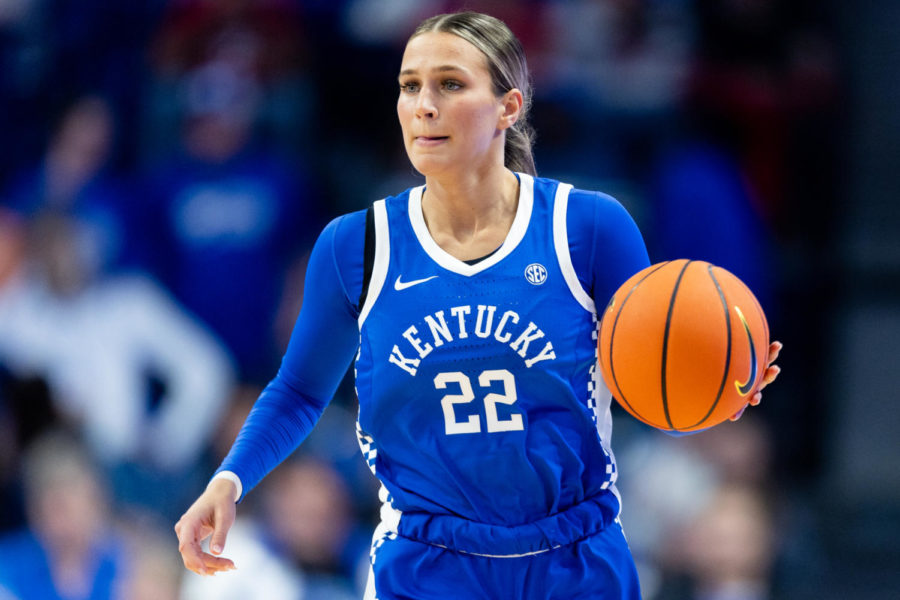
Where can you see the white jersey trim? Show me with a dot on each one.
(561, 242)
(369, 594)
(451, 263)
(382, 258)
(233, 478)
(386, 531)
(603, 412)
(509, 555)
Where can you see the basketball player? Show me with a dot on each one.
(470, 305)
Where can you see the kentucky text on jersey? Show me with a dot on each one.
(506, 330)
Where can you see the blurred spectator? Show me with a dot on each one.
(26, 412)
(622, 56)
(610, 83)
(73, 177)
(141, 379)
(728, 551)
(229, 215)
(12, 244)
(308, 512)
(68, 552)
(674, 485)
(154, 571)
(262, 40)
(235, 207)
(680, 479)
(11, 509)
(25, 406)
(52, 51)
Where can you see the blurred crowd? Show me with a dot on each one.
(165, 168)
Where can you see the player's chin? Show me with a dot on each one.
(429, 164)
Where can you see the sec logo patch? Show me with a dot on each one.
(535, 274)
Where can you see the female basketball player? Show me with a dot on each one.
(470, 304)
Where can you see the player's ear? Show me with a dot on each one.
(511, 104)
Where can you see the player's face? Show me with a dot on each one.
(450, 117)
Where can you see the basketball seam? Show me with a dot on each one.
(612, 335)
(665, 348)
(715, 403)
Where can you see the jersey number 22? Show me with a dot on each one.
(466, 395)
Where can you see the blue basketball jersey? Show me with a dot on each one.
(477, 386)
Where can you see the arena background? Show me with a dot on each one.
(166, 166)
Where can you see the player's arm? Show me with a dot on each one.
(615, 248)
(322, 345)
(611, 249)
(605, 244)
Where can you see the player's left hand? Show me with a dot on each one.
(772, 371)
(212, 514)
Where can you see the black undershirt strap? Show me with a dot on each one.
(368, 255)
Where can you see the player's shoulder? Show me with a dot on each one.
(347, 226)
(600, 210)
(342, 240)
(593, 202)
(338, 254)
(586, 208)
(576, 194)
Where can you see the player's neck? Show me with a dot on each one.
(470, 216)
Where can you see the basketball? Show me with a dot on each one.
(683, 345)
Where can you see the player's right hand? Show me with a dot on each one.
(771, 372)
(211, 514)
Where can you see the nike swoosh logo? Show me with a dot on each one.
(402, 285)
(744, 388)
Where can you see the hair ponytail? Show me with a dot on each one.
(508, 69)
(518, 155)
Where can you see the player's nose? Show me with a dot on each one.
(426, 104)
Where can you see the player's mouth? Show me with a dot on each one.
(424, 140)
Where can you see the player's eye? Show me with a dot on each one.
(409, 87)
(452, 85)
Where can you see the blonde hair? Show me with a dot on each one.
(508, 69)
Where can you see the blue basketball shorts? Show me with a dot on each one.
(561, 564)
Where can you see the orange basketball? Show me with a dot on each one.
(683, 345)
